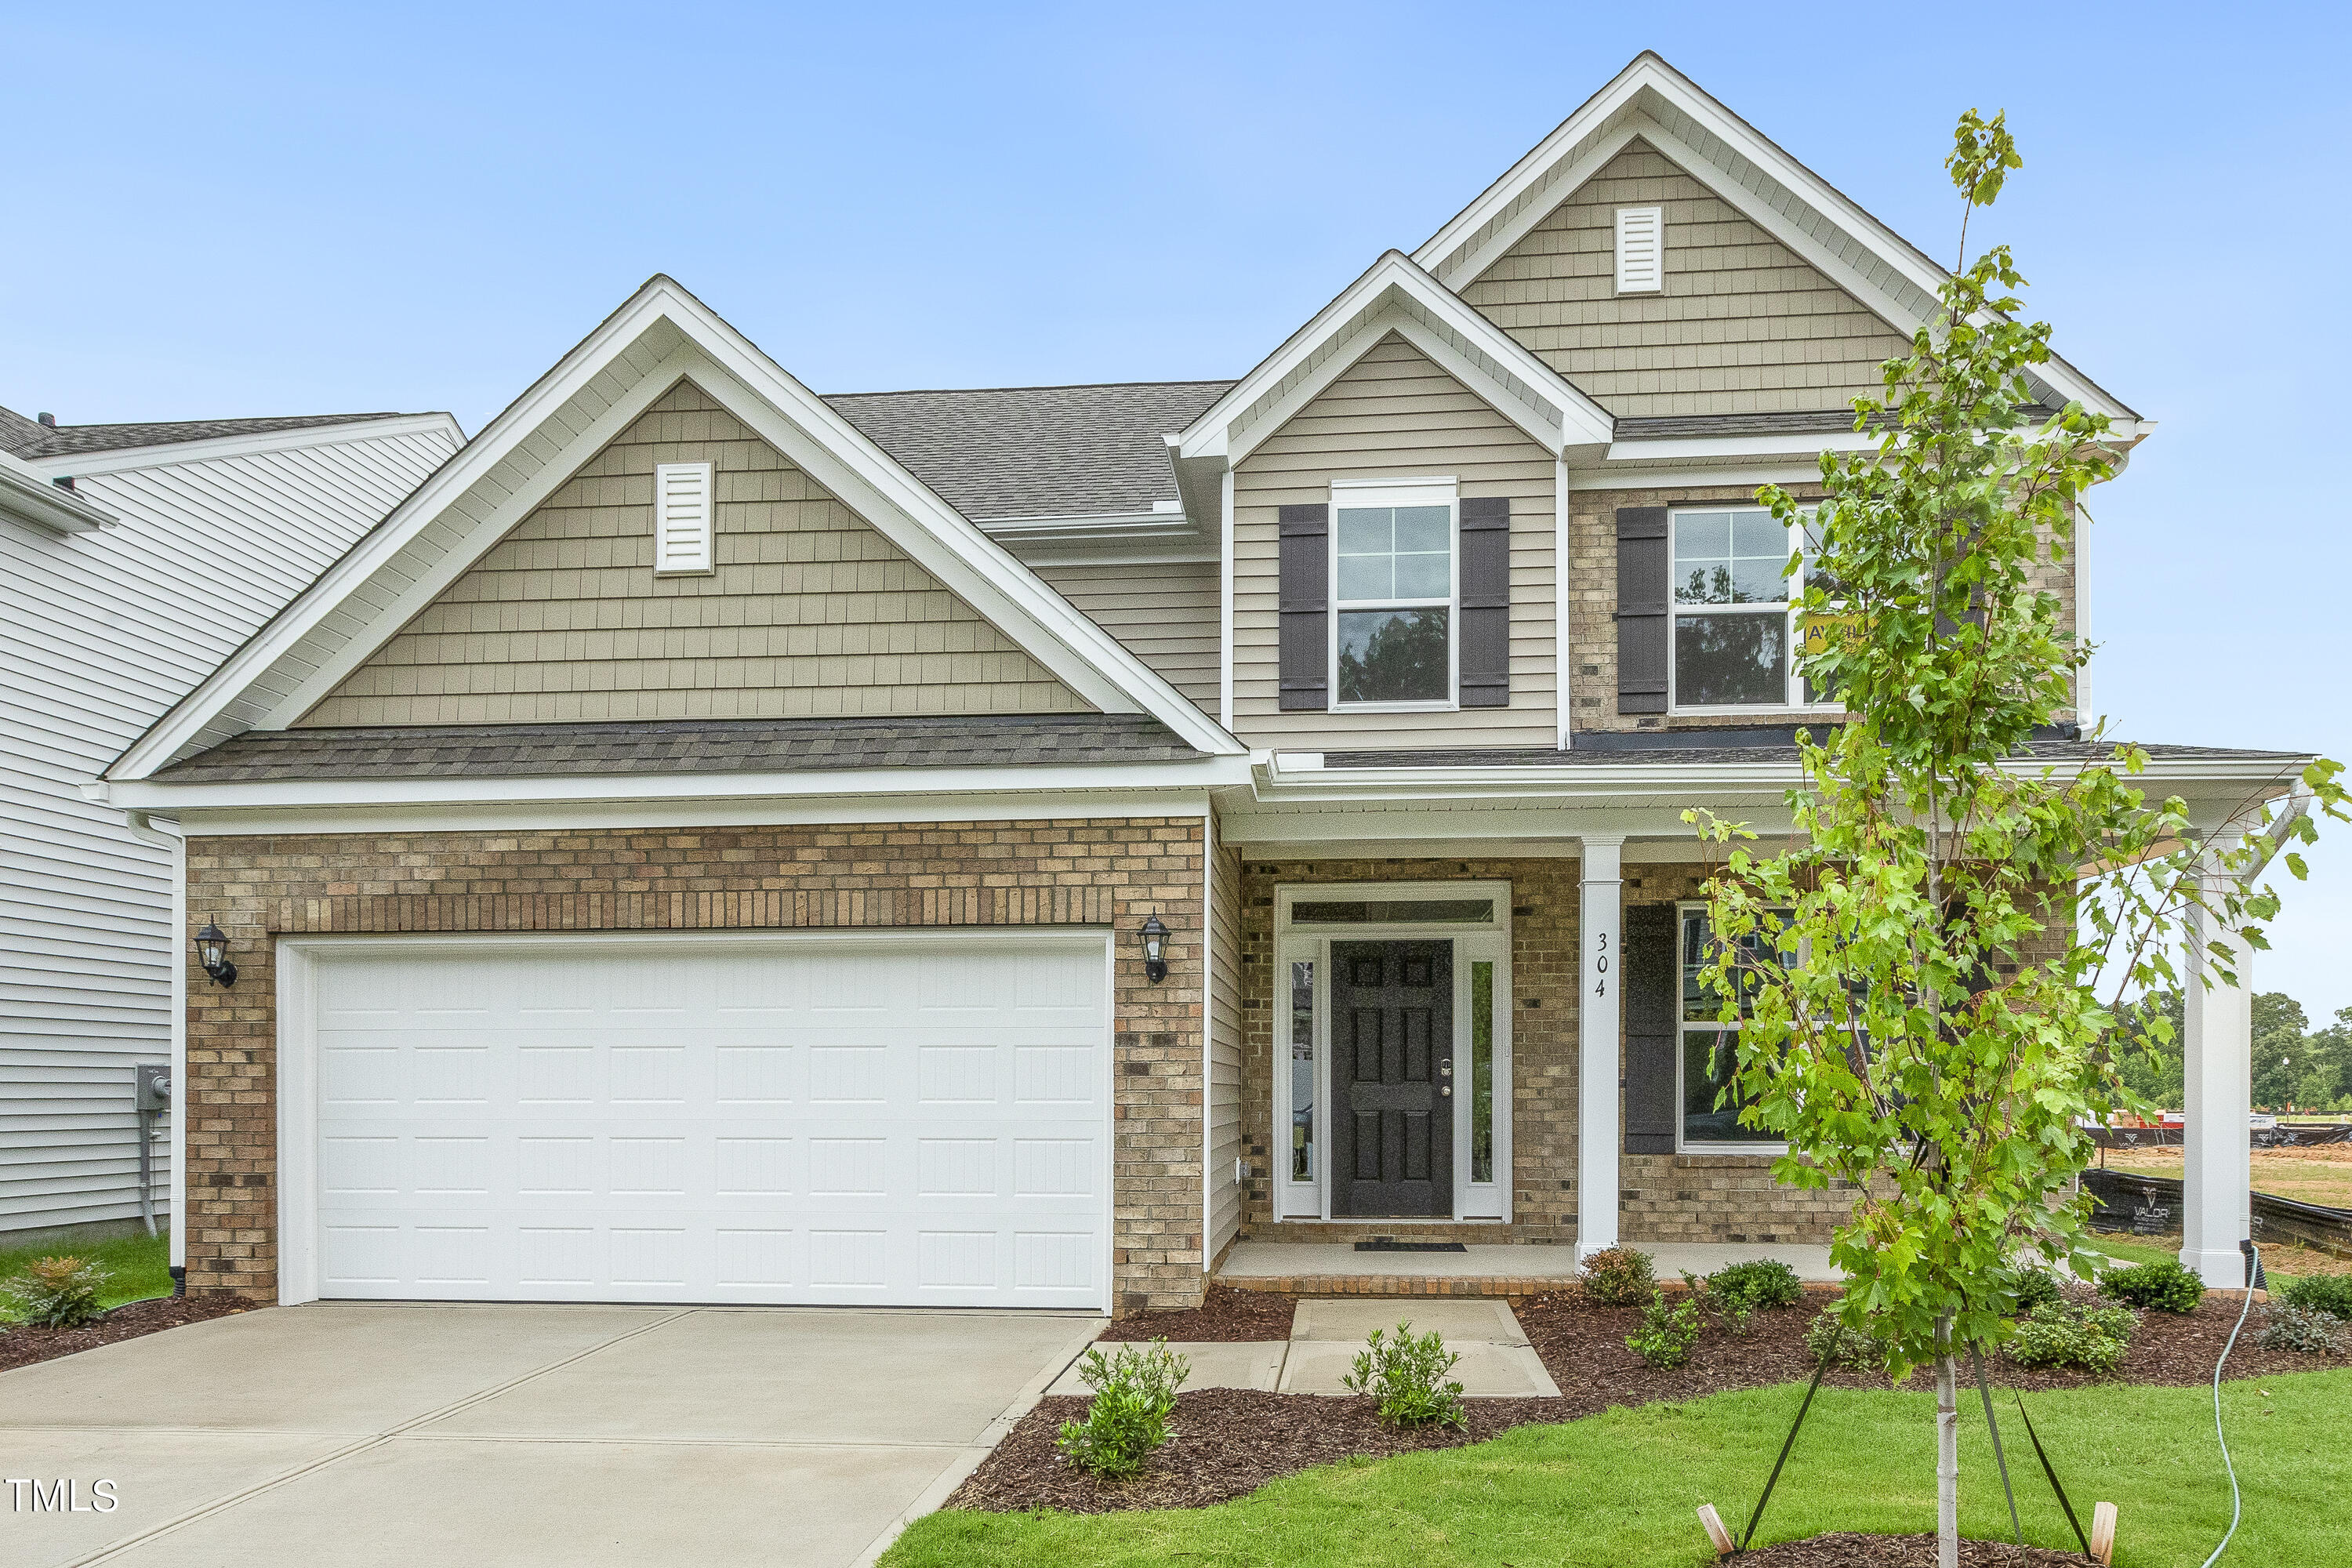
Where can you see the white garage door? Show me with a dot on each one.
(920, 1120)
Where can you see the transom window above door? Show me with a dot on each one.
(1734, 625)
(1394, 580)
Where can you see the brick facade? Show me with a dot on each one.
(1663, 1197)
(1591, 604)
(1090, 872)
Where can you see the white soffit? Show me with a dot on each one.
(661, 335)
(1396, 296)
(1650, 101)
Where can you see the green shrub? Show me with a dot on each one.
(1135, 1393)
(2166, 1286)
(2329, 1293)
(2037, 1288)
(1733, 1310)
(2287, 1327)
(1620, 1277)
(1759, 1282)
(1668, 1332)
(54, 1292)
(1828, 1336)
(1407, 1375)
(2063, 1334)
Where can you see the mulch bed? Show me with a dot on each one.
(1233, 1441)
(1847, 1549)
(23, 1345)
(1226, 1317)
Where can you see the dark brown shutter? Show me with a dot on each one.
(1643, 620)
(1486, 652)
(1304, 606)
(1652, 1000)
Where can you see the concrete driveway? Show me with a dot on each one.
(346, 1434)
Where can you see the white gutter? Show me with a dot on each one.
(910, 783)
(28, 495)
(166, 837)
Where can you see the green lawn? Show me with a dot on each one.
(1619, 1488)
(138, 1266)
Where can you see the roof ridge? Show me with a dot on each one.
(1052, 386)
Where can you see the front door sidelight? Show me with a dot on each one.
(1392, 1079)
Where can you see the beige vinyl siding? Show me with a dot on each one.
(1163, 612)
(809, 612)
(1743, 326)
(1222, 1128)
(1395, 414)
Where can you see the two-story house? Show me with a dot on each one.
(133, 558)
(719, 843)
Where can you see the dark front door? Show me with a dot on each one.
(1392, 1079)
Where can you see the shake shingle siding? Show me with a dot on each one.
(1742, 326)
(810, 611)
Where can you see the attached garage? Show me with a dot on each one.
(900, 1118)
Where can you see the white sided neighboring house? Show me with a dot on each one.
(134, 559)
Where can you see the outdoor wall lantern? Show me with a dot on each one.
(212, 951)
(1155, 950)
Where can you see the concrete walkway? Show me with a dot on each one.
(337, 1436)
(1497, 1362)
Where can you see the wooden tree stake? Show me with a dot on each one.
(1715, 1530)
(2102, 1531)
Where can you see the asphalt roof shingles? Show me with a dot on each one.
(28, 439)
(1037, 451)
(682, 746)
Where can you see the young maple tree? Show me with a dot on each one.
(1918, 976)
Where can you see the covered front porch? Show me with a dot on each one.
(1436, 954)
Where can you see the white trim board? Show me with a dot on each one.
(1395, 295)
(660, 334)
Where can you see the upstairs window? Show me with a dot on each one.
(1393, 600)
(1733, 625)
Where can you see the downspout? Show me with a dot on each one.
(167, 838)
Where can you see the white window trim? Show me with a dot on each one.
(1397, 492)
(1480, 1202)
(1795, 704)
(1682, 1024)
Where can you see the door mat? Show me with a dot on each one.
(1391, 1244)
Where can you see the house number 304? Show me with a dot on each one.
(1601, 963)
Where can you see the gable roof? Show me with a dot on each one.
(1396, 295)
(27, 439)
(1654, 102)
(661, 335)
(1007, 452)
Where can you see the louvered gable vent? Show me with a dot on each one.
(1641, 249)
(682, 509)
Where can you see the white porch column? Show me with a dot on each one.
(2217, 1170)
(1600, 1013)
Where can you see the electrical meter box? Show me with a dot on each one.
(155, 1086)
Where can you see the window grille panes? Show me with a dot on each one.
(1395, 911)
(1734, 624)
(1393, 603)
(1710, 1049)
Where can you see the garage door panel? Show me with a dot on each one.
(772, 1122)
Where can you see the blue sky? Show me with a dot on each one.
(265, 210)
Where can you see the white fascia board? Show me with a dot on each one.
(1695, 476)
(1274, 783)
(1714, 449)
(1629, 106)
(124, 460)
(1582, 422)
(908, 785)
(836, 454)
(32, 497)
